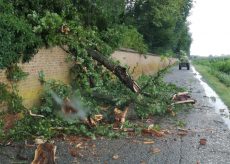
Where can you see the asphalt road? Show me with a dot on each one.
(201, 123)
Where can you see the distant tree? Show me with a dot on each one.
(162, 23)
(100, 13)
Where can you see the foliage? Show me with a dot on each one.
(14, 73)
(221, 89)
(103, 14)
(48, 104)
(15, 102)
(30, 127)
(183, 56)
(11, 98)
(219, 67)
(126, 37)
(17, 40)
(3, 92)
(180, 123)
(156, 103)
(1, 130)
(94, 25)
(46, 128)
(223, 77)
(41, 77)
(47, 27)
(61, 7)
(162, 23)
(160, 99)
(133, 39)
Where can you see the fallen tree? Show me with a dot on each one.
(117, 70)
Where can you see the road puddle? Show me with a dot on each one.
(214, 99)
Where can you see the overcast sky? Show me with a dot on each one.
(210, 27)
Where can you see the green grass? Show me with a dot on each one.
(222, 90)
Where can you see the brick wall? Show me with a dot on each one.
(52, 61)
(140, 64)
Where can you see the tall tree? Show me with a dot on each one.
(101, 13)
(162, 23)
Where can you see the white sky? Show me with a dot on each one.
(210, 27)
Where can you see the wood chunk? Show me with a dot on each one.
(45, 154)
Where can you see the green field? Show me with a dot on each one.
(216, 71)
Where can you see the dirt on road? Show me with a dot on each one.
(205, 139)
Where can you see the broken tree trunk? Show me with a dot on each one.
(118, 70)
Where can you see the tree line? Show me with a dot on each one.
(146, 25)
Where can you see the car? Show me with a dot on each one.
(184, 62)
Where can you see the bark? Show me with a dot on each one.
(118, 70)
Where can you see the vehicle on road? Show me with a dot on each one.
(184, 62)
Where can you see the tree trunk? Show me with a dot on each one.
(118, 70)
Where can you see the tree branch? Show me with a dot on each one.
(118, 70)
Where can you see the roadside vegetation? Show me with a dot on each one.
(216, 70)
(91, 31)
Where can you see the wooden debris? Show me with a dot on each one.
(150, 121)
(58, 128)
(45, 154)
(170, 110)
(182, 98)
(120, 117)
(35, 115)
(166, 131)
(185, 102)
(115, 157)
(182, 133)
(73, 152)
(91, 122)
(180, 129)
(68, 107)
(158, 133)
(65, 29)
(39, 141)
(129, 130)
(155, 150)
(117, 70)
(153, 132)
(98, 117)
(148, 142)
(203, 141)
(123, 116)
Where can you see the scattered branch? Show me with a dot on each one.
(184, 102)
(35, 115)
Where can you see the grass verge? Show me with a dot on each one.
(222, 90)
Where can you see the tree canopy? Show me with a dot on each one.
(92, 30)
(162, 23)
